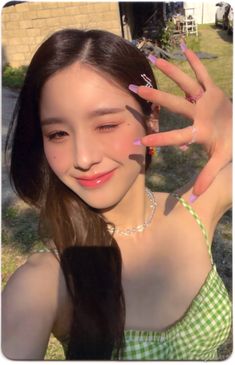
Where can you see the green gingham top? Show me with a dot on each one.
(197, 336)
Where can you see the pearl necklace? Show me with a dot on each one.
(141, 227)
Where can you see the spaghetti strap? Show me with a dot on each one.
(197, 219)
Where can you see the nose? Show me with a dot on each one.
(87, 152)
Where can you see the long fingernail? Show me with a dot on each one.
(137, 142)
(133, 88)
(192, 198)
(183, 46)
(152, 58)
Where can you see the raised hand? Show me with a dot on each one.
(206, 105)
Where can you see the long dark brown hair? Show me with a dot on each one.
(89, 255)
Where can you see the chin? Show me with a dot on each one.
(99, 199)
(102, 198)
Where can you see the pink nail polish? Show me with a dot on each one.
(152, 59)
(133, 88)
(192, 198)
(183, 46)
(137, 142)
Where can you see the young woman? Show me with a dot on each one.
(129, 273)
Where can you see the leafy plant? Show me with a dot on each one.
(167, 39)
(13, 77)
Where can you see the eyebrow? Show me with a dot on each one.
(104, 111)
(52, 120)
(94, 113)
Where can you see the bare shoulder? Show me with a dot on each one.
(49, 275)
(50, 265)
(43, 261)
(35, 283)
(37, 267)
(41, 271)
(29, 307)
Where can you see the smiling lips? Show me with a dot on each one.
(95, 180)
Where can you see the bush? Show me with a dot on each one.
(170, 41)
(13, 77)
(167, 39)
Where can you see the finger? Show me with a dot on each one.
(176, 137)
(208, 173)
(199, 69)
(185, 82)
(175, 104)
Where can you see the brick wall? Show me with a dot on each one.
(26, 25)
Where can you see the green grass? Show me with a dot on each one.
(170, 170)
(216, 42)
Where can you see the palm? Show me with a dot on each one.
(211, 117)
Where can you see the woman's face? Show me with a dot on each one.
(89, 124)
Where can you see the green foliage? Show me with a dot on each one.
(170, 41)
(13, 77)
(20, 228)
(10, 213)
(167, 39)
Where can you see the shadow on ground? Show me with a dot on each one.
(223, 33)
(173, 168)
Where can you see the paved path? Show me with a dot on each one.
(9, 98)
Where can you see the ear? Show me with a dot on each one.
(153, 120)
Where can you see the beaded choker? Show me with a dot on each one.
(141, 227)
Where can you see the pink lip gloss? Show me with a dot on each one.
(97, 181)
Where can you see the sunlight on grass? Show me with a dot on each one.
(55, 350)
(220, 68)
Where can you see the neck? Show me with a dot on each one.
(133, 209)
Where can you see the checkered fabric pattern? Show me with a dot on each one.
(198, 335)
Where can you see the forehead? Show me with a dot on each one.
(82, 86)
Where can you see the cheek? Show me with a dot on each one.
(56, 158)
(124, 148)
(123, 143)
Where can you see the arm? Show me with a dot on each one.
(220, 191)
(216, 200)
(29, 303)
(223, 188)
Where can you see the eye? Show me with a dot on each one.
(107, 127)
(57, 135)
